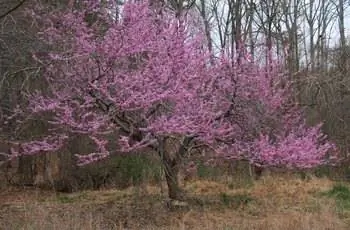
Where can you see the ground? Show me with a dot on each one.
(274, 202)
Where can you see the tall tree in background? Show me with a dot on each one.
(18, 75)
(341, 23)
(207, 29)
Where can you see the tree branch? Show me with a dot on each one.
(12, 9)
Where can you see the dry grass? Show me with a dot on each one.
(274, 203)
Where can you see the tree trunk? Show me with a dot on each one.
(207, 30)
(172, 179)
(25, 170)
(171, 162)
(171, 169)
(341, 22)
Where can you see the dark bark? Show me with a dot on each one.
(171, 175)
(26, 170)
(207, 30)
(171, 163)
(171, 171)
(17, 6)
(341, 23)
(258, 171)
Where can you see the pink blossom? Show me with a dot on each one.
(148, 74)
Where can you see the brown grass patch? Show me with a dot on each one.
(277, 203)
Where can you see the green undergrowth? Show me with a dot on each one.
(341, 193)
(235, 200)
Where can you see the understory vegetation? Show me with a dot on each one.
(274, 202)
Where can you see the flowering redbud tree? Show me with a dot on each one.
(149, 78)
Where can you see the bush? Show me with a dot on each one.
(118, 172)
(341, 193)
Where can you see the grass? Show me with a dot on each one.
(341, 194)
(236, 200)
(277, 202)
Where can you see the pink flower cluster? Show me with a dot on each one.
(147, 73)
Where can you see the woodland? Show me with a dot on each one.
(174, 114)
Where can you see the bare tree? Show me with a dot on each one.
(205, 18)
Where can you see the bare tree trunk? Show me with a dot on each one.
(171, 163)
(26, 170)
(171, 170)
(310, 16)
(207, 29)
(341, 24)
(342, 35)
(172, 178)
(294, 38)
(250, 29)
(238, 30)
